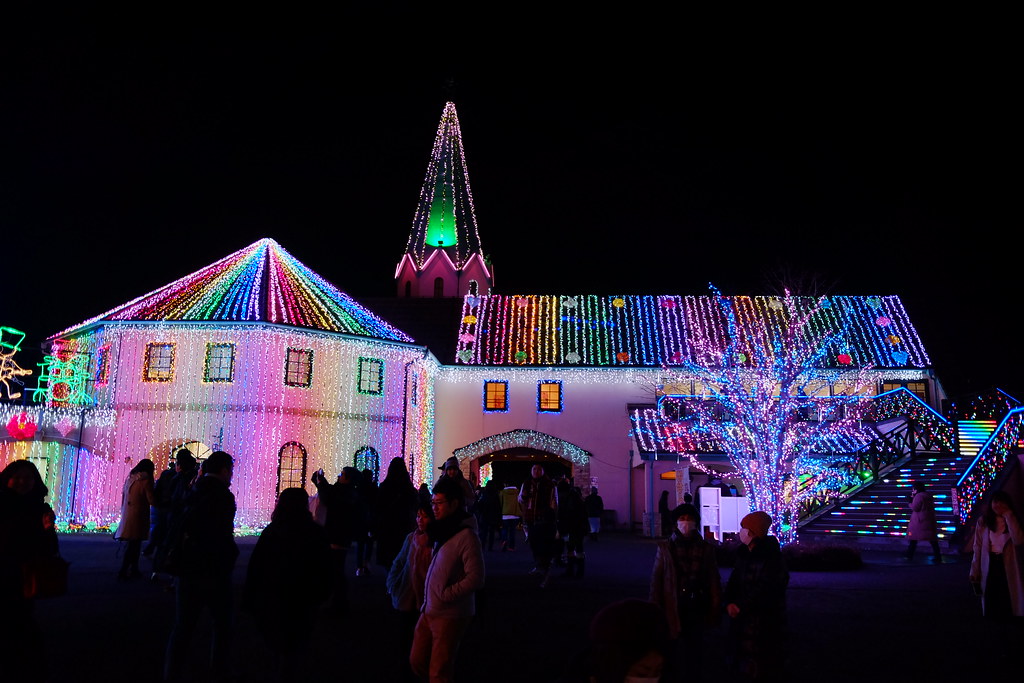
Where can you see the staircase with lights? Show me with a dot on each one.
(880, 512)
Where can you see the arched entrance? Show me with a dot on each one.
(509, 456)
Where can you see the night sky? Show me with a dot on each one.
(128, 160)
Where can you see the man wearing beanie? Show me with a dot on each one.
(755, 599)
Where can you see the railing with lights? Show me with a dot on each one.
(991, 442)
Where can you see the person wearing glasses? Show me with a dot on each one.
(455, 573)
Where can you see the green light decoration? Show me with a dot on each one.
(9, 370)
(441, 230)
(64, 381)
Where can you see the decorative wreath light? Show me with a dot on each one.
(883, 321)
(469, 320)
(572, 357)
(844, 359)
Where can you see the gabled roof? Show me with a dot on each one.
(260, 283)
(655, 331)
(445, 216)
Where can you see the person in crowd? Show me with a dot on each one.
(366, 496)
(488, 513)
(995, 564)
(136, 498)
(406, 579)
(595, 509)
(665, 514)
(208, 559)
(923, 526)
(685, 583)
(339, 499)
(451, 470)
(572, 527)
(287, 578)
(511, 517)
(755, 601)
(394, 512)
(540, 514)
(423, 494)
(160, 510)
(628, 641)
(186, 473)
(455, 573)
(27, 533)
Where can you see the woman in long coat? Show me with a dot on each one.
(923, 526)
(136, 498)
(995, 566)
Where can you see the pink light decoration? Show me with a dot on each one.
(22, 426)
(64, 426)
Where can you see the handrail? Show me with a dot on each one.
(990, 460)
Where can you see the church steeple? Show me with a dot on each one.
(443, 256)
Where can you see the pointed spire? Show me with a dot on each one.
(445, 218)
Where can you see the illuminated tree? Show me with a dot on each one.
(780, 394)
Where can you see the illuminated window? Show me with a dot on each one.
(549, 396)
(298, 367)
(919, 389)
(159, 362)
(102, 365)
(495, 396)
(220, 363)
(371, 376)
(291, 466)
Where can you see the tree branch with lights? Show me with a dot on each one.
(779, 394)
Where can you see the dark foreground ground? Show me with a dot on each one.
(890, 621)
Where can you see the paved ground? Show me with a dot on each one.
(889, 621)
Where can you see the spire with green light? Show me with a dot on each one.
(445, 217)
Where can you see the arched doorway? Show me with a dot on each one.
(508, 457)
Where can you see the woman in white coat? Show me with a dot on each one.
(995, 566)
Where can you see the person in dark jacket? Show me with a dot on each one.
(340, 524)
(160, 511)
(572, 526)
(488, 513)
(26, 532)
(394, 515)
(595, 508)
(755, 600)
(287, 577)
(186, 474)
(686, 584)
(208, 557)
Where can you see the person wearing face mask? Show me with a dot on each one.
(755, 600)
(685, 583)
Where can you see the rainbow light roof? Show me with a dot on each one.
(261, 283)
(444, 215)
(654, 331)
